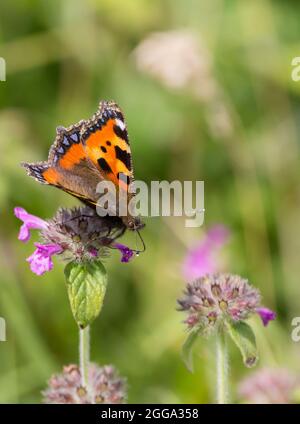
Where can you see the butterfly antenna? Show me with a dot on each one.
(143, 243)
(136, 251)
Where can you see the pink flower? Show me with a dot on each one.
(79, 233)
(201, 260)
(127, 253)
(270, 386)
(41, 259)
(29, 222)
(266, 315)
(105, 386)
(214, 298)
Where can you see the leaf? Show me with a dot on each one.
(187, 349)
(244, 338)
(86, 285)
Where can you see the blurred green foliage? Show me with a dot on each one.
(62, 58)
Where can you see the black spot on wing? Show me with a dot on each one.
(104, 165)
(124, 157)
(119, 115)
(121, 133)
(103, 149)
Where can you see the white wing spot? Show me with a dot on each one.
(120, 124)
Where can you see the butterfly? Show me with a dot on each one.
(87, 153)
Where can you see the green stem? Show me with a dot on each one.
(84, 354)
(222, 369)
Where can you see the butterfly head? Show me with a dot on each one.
(134, 223)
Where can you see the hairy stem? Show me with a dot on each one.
(222, 369)
(84, 354)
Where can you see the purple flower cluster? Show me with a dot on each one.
(77, 234)
(105, 387)
(212, 299)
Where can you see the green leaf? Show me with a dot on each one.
(187, 349)
(86, 285)
(244, 338)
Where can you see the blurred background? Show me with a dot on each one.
(207, 91)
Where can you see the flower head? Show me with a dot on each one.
(82, 234)
(203, 258)
(215, 298)
(270, 386)
(77, 234)
(105, 386)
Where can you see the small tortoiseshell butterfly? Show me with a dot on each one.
(88, 152)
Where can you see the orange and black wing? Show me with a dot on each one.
(106, 144)
(68, 167)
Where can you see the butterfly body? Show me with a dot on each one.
(87, 153)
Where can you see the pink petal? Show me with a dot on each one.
(41, 259)
(266, 315)
(29, 222)
(127, 254)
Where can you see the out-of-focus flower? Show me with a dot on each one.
(105, 386)
(203, 258)
(213, 299)
(179, 60)
(270, 386)
(77, 234)
(266, 315)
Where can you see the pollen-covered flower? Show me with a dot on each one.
(270, 386)
(213, 299)
(105, 386)
(77, 234)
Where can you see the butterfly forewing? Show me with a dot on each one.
(105, 139)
